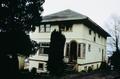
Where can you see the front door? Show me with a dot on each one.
(73, 51)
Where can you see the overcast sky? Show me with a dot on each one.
(98, 10)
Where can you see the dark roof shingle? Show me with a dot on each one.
(63, 16)
(69, 15)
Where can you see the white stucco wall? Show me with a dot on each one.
(80, 33)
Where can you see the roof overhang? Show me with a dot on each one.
(86, 21)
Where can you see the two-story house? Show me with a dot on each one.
(85, 41)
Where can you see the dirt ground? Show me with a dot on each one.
(83, 75)
(95, 75)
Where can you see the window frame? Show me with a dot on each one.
(89, 47)
(67, 49)
(82, 53)
(65, 27)
(90, 32)
(46, 26)
(43, 28)
(41, 67)
(43, 47)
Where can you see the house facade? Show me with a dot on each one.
(85, 45)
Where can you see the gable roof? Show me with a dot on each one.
(63, 16)
(72, 16)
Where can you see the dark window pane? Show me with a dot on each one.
(40, 66)
(67, 50)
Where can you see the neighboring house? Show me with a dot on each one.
(85, 45)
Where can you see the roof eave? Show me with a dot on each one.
(101, 29)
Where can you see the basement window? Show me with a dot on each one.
(40, 66)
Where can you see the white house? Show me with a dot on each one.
(85, 41)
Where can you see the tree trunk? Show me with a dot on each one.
(21, 60)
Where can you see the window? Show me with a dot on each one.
(89, 47)
(92, 66)
(81, 50)
(44, 28)
(97, 66)
(103, 57)
(40, 66)
(85, 68)
(65, 27)
(90, 31)
(67, 49)
(48, 28)
(44, 48)
(94, 37)
(68, 27)
(98, 36)
(62, 27)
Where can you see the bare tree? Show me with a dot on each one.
(114, 41)
(114, 30)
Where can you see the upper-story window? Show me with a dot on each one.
(98, 35)
(48, 28)
(44, 28)
(41, 28)
(90, 31)
(94, 37)
(89, 47)
(65, 27)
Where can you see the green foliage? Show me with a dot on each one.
(104, 66)
(17, 18)
(115, 60)
(20, 14)
(56, 54)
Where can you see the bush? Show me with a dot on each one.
(90, 69)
